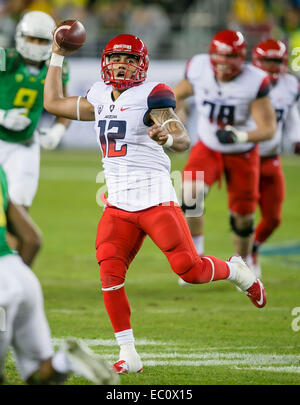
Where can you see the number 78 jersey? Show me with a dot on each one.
(224, 103)
(136, 168)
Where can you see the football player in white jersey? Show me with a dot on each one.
(23, 323)
(271, 56)
(234, 112)
(133, 119)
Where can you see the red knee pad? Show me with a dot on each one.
(106, 250)
(112, 272)
(181, 262)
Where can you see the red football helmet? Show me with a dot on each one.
(228, 48)
(125, 44)
(272, 57)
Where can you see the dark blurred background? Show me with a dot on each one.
(171, 29)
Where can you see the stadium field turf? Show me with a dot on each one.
(198, 335)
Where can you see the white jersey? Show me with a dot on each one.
(224, 103)
(284, 97)
(136, 168)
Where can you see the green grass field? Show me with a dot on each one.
(205, 334)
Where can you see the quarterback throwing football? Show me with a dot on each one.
(133, 119)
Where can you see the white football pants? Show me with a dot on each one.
(26, 326)
(22, 167)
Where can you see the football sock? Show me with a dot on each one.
(265, 228)
(124, 337)
(240, 276)
(207, 269)
(232, 272)
(199, 244)
(118, 309)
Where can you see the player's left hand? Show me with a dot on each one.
(231, 135)
(297, 148)
(158, 134)
(50, 137)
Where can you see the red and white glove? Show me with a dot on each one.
(50, 137)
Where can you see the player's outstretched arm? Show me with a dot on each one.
(168, 130)
(28, 235)
(264, 116)
(182, 90)
(74, 108)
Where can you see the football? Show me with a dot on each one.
(69, 35)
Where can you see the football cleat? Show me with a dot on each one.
(87, 364)
(129, 361)
(122, 367)
(183, 283)
(257, 294)
(246, 281)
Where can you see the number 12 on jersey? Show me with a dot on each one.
(108, 138)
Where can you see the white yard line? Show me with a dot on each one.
(288, 369)
(197, 363)
(238, 358)
(112, 342)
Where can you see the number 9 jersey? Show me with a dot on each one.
(23, 87)
(136, 168)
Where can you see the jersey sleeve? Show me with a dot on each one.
(264, 88)
(161, 96)
(298, 92)
(187, 69)
(292, 125)
(9, 60)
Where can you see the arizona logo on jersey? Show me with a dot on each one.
(136, 168)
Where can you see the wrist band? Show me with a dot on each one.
(170, 120)
(169, 142)
(56, 60)
(78, 109)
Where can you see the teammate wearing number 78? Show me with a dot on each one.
(234, 113)
(134, 119)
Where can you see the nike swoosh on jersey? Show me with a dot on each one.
(124, 108)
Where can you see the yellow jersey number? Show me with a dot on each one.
(2, 213)
(25, 98)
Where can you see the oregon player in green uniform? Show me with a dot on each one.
(22, 89)
(4, 248)
(26, 326)
(21, 105)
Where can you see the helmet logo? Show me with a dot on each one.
(122, 46)
(222, 47)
